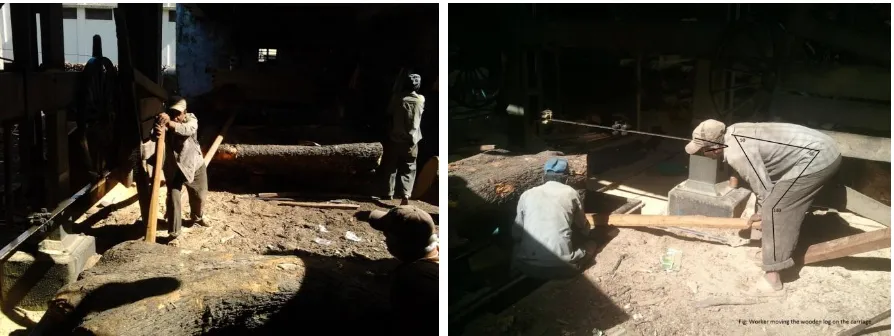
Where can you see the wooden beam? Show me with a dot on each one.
(665, 221)
(150, 86)
(861, 146)
(57, 177)
(51, 35)
(47, 91)
(848, 246)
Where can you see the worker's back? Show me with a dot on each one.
(545, 224)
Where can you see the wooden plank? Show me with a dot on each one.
(626, 220)
(320, 205)
(220, 136)
(860, 327)
(867, 207)
(848, 246)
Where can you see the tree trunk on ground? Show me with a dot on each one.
(139, 288)
(331, 160)
(484, 189)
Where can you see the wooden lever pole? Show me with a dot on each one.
(156, 183)
(219, 138)
(664, 221)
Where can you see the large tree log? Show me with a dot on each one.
(483, 189)
(139, 288)
(286, 159)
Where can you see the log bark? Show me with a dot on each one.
(139, 288)
(284, 159)
(483, 190)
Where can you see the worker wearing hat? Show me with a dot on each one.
(183, 164)
(411, 237)
(551, 229)
(402, 147)
(786, 165)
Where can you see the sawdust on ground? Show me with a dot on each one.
(332, 238)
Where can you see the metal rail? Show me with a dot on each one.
(46, 223)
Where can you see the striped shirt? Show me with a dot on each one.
(765, 153)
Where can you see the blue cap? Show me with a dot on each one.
(556, 165)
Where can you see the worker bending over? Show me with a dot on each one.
(411, 237)
(401, 149)
(551, 229)
(786, 166)
(183, 163)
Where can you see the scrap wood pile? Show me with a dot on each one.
(139, 288)
(483, 189)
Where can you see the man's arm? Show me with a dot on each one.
(749, 163)
(186, 128)
(580, 217)
(518, 228)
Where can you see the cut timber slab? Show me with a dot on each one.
(848, 246)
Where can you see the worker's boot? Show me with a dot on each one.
(405, 201)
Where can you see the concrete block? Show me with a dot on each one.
(30, 280)
(684, 202)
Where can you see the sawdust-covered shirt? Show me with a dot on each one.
(765, 153)
(546, 218)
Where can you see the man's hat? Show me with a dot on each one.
(556, 165)
(407, 222)
(178, 104)
(705, 133)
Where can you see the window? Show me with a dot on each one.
(97, 14)
(172, 16)
(69, 13)
(266, 55)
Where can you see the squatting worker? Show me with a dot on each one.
(786, 166)
(550, 233)
(401, 149)
(183, 163)
(411, 237)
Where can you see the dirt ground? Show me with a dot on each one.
(241, 223)
(627, 292)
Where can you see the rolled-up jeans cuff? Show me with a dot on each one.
(775, 267)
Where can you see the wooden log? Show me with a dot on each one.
(151, 223)
(320, 205)
(152, 289)
(848, 246)
(483, 189)
(331, 160)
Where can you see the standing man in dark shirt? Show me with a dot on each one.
(401, 149)
(411, 237)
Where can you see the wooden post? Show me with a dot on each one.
(639, 91)
(152, 220)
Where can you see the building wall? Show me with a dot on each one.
(204, 45)
(78, 34)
